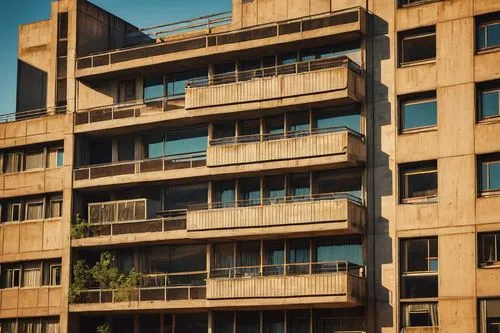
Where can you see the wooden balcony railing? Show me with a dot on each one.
(172, 162)
(291, 80)
(332, 280)
(279, 211)
(32, 114)
(152, 287)
(281, 146)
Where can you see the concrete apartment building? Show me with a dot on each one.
(292, 166)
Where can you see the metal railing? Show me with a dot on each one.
(152, 287)
(282, 135)
(160, 224)
(288, 269)
(277, 200)
(172, 162)
(295, 68)
(106, 58)
(32, 114)
(152, 34)
(122, 110)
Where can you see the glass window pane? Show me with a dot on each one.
(34, 211)
(155, 146)
(60, 158)
(225, 130)
(433, 265)
(275, 187)
(348, 181)
(153, 88)
(34, 160)
(419, 114)
(249, 127)
(288, 58)
(481, 38)
(338, 117)
(273, 322)
(416, 255)
(249, 192)
(489, 104)
(339, 250)
(223, 255)
(274, 125)
(299, 184)
(224, 193)
(222, 322)
(421, 184)
(176, 83)
(248, 253)
(186, 141)
(298, 251)
(419, 48)
(298, 121)
(493, 35)
(494, 176)
(274, 252)
(247, 322)
(180, 197)
(484, 176)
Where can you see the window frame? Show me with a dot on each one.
(485, 23)
(52, 269)
(10, 212)
(411, 35)
(50, 213)
(413, 100)
(480, 91)
(419, 168)
(31, 202)
(481, 162)
(10, 277)
(483, 263)
(20, 161)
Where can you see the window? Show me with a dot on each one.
(404, 3)
(489, 175)
(13, 212)
(275, 189)
(489, 315)
(186, 141)
(298, 123)
(286, 59)
(126, 149)
(55, 207)
(489, 249)
(273, 321)
(274, 127)
(347, 182)
(14, 162)
(13, 278)
(180, 197)
(340, 117)
(224, 194)
(300, 185)
(32, 277)
(488, 33)
(419, 267)
(249, 192)
(155, 146)
(418, 112)
(176, 83)
(224, 130)
(126, 91)
(34, 210)
(419, 314)
(247, 322)
(55, 158)
(249, 130)
(419, 182)
(34, 160)
(488, 101)
(417, 45)
(154, 88)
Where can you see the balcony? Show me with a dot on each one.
(35, 181)
(155, 291)
(182, 161)
(30, 302)
(314, 213)
(299, 83)
(348, 145)
(325, 282)
(213, 42)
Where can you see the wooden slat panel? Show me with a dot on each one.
(293, 148)
(280, 286)
(340, 210)
(268, 88)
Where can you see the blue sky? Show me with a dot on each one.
(142, 13)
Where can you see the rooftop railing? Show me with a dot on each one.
(295, 68)
(188, 42)
(172, 162)
(32, 114)
(152, 34)
(282, 136)
(277, 200)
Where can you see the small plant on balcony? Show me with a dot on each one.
(79, 228)
(81, 281)
(104, 328)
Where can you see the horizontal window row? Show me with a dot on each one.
(419, 45)
(33, 208)
(31, 274)
(419, 180)
(141, 203)
(419, 111)
(271, 321)
(32, 158)
(30, 325)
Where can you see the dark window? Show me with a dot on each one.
(154, 88)
(180, 197)
(223, 322)
(404, 3)
(339, 117)
(489, 248)
(300, 185)
(488, 32)
(249, 192)
(224, 194)
(418, 112)
(340, 182)
(419, 182)
(126, 148)
(298, 123)
(63, 26)
(249, 127)
(489, 175)
(273, 321)
(224, 130)
(247, 322)
(176, 83)
(275, 188)
(415, 46)
(488, 100)
(126, 91)
(288, 58)
(274, 127)
(419, 255)
(150, 323)
(489, 315)
(191, 323)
